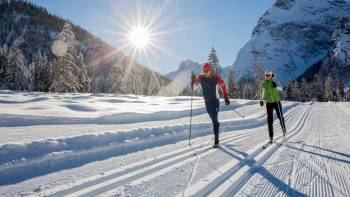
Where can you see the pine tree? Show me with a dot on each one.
(296, 91)
(237, 92)
(327, 92)
(82, 74)
(289, 91)
(247, 87)
(318, 87)
(69, 71)
(214, 61)
(17, 74)
(3, 64)
(230, 81)
(305, 91)
(341, 89)
(41, 73)
(258, 76)
(64, 78)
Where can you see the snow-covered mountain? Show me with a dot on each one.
(291, 36)
(186, 67)
(338, 64)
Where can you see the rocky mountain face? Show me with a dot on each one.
(181, 78)
(184, 71)
(338, 65)
(34, 30)
(292, 36)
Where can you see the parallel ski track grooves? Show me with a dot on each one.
(230, 172)
(183, 154)
(264, 155)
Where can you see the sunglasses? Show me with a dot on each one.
(267, 75)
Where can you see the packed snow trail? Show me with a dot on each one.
(100, 186)
(308, 165)
(314, 163)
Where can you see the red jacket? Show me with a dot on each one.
(209, 86)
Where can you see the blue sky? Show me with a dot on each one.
(183, 29)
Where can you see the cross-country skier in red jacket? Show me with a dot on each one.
(209, 82)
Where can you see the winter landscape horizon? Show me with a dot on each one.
(175, 98)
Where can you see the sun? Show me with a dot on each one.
(139, 37)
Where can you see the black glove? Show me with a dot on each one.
(193, 79)
(274, 85)
(261, 103)
(227, 101)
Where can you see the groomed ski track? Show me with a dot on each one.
(305, 166)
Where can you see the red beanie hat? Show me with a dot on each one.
(206, 67)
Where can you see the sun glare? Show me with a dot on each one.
(139, 37)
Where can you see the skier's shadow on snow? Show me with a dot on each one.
(344, 155)
(283, 187)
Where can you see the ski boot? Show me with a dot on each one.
(216, 144)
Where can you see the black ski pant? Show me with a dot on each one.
(213, 110)
(278, 108)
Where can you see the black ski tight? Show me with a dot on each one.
(278, 108)
(213, 110)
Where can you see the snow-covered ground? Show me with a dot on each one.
(110, 145)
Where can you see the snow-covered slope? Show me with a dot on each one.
(291, 36)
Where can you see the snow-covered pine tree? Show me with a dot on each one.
(69, 71)
(317, 87)
(82, 74)
(114, 80)
(3, 64)
(247, 87)
(67, 36)
(230, 84)
(17, 75)
(64, 77)
(41, 73)
(214, 61)
(153, 86)
(289, 91)
(341, 89)
(304, 90)
(327, 92)
(296, 91)
(237, 92)
(258, 76)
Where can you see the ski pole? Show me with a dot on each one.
(193, 78)
(282, 123)
(238, 113)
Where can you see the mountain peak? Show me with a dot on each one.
(291, 36)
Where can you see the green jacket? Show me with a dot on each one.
(269, 92)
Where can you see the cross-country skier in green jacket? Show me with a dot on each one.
(270, 93)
